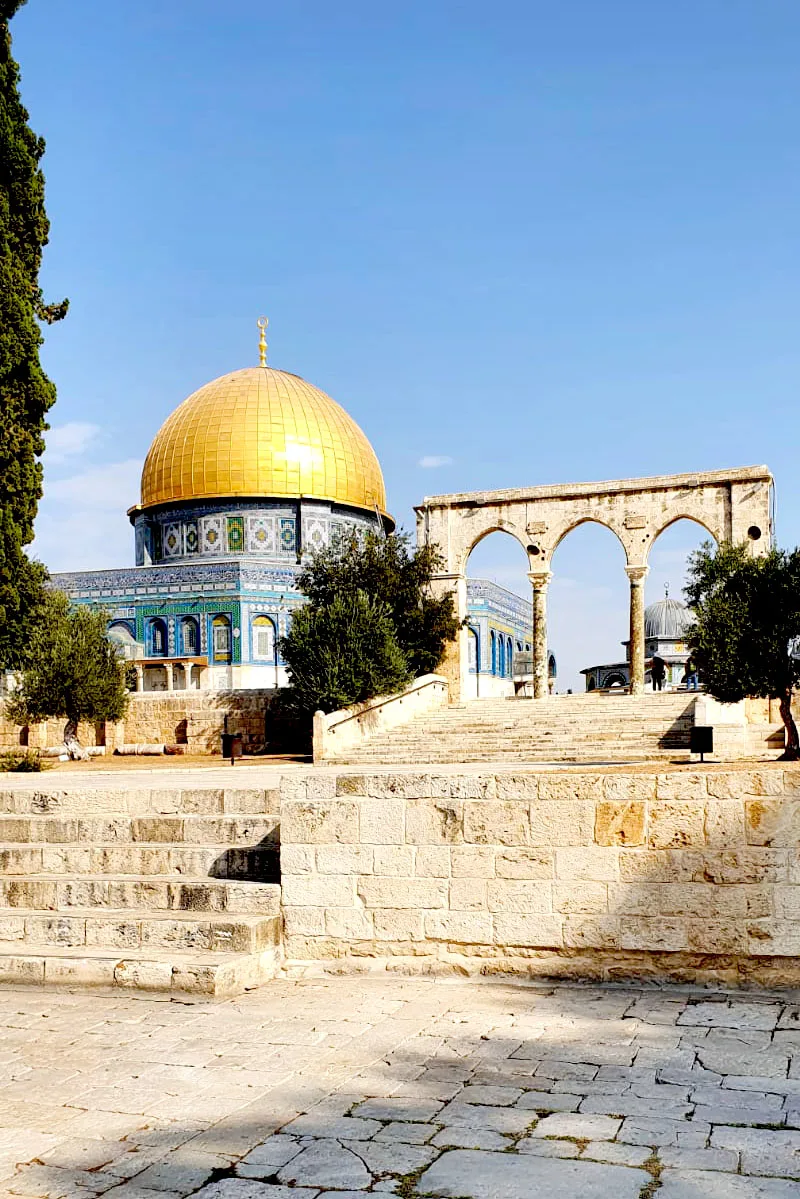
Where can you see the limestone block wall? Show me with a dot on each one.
(48, 732)
(193, 718)
(689, 875)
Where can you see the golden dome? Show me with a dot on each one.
(262, 432)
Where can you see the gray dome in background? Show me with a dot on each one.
(668, 619)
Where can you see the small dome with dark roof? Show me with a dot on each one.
(668, 619)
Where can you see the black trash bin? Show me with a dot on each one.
(232, 746)
(701, 740)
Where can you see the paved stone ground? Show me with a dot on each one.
(405, 1086)
(123, 773)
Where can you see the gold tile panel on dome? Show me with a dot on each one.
(261, 432)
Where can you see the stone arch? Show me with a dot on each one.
(494, 527)
(571, 525)
(673, 519)
(728, 503)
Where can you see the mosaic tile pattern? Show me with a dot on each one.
(235, 534)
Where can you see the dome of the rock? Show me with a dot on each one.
(261, 432)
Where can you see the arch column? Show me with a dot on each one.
(139, 677)
(540, 581)
(170, 679)
(637, 576)
(455, 664)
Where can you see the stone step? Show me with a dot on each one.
(558, 729)
(531, 736)
(166, 970)
(56, 893)
(550, 722)
(534, 734)
(32, 828)
(429, 759)
(216, 861)
(34, 931)
(50, 799)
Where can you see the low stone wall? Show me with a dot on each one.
(336, 732)
(691, 875)
(195, 719)
(752, 728)
(47, 733)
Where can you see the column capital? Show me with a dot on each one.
(540, 579)
(637, 574)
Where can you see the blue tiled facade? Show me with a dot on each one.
(203, 610)
(500, 627)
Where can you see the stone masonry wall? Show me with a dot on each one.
(195, 719)
(596, 874)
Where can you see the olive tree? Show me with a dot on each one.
(746, 624)
(71, 670)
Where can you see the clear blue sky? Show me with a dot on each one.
(548, 241)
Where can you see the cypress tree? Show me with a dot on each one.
(26, 393)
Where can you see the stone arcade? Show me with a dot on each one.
(734, 505)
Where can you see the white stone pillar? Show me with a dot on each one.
(637, 576)
(139, 676)
(455, 664)
(170, 679)
(540, 581)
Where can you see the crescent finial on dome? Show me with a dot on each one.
(262, 323)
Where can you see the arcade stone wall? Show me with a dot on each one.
(687, 875)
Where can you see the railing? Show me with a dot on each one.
(336, 732)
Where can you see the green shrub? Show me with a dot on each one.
(342, 653)
(22, 761)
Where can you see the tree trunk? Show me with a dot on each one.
(71, 743)
(792, 751)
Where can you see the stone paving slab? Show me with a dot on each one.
(696, 1184)
(349, 1086)
(502, 1176)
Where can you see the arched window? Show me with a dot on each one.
(509, 657)
(221, 638)
(501, 665)
(158, 637)
(264, 639)
(474, 649)
(190, 635)
(552, 668)
(493, 643)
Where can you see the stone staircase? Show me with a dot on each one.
(158, 890)
(561, 728)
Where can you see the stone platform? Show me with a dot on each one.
(687, 874)
(347, 1087)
